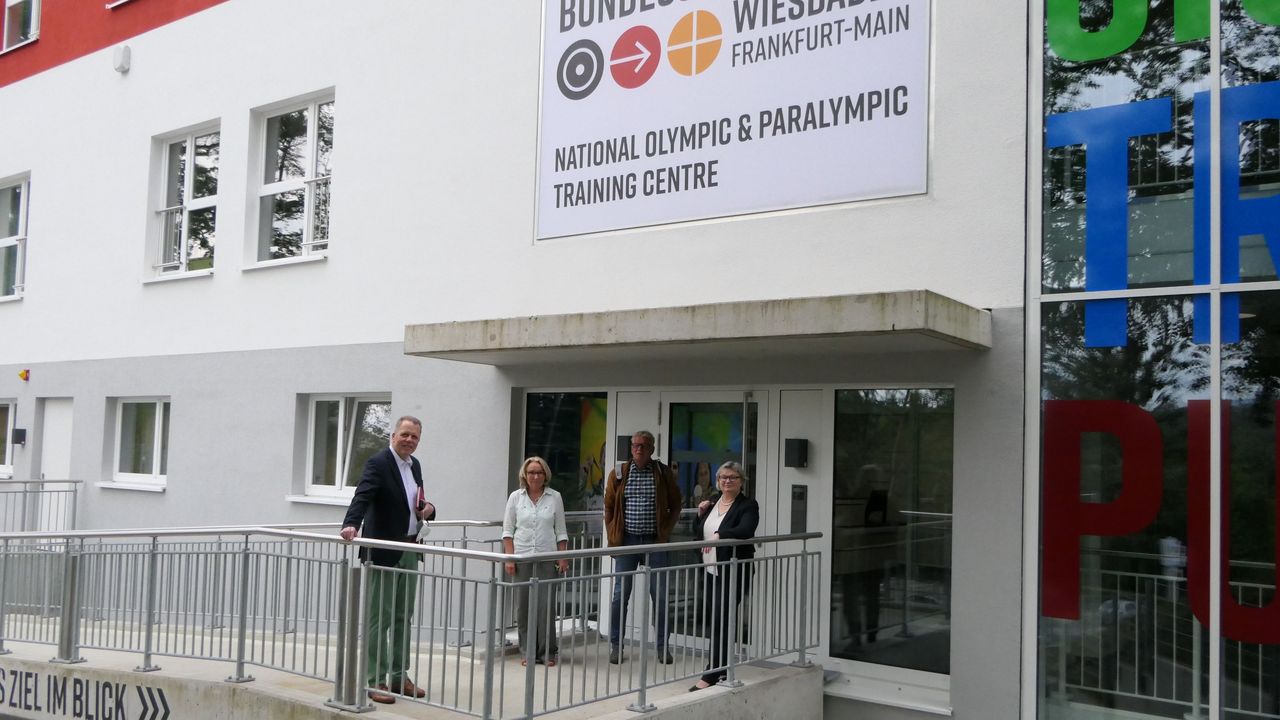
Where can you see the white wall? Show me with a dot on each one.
(433, 193)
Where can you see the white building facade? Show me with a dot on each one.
(243, 236)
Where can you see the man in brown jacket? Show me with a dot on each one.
(640, 508)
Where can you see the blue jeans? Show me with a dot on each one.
(622, 590)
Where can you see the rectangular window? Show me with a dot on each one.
(6, 442)
(188, 211)
(142, 440)
(21, 22)
(891, 522)
(568, 430)
(344, 432)
(13, 237)
(293, 201)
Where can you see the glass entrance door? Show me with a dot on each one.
(700, 432)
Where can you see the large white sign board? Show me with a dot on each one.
(657, 111)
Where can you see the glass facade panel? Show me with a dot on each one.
(568, 430)
(1250, 617)
(1117, 629)
(891, 528)
(1122, 216)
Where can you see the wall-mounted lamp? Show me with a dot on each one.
(20, 436)
(795, 452)
(24, 374)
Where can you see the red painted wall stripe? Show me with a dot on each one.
(71, 29)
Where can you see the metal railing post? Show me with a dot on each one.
(530, 644)
(731, 628)
(492, 647)
(361, 631)
(642, 704)
(802, 617)
(462, 596)
(285, 616)
(25, 513)
(242, 627)
(347, 683)
(69, 627)
(149, 607)
(75, 496)
(4, 585)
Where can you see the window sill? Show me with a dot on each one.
(139, 487)
(319, 500)
(11, 298)
(20, 45)
(302, 260)
(116, 4)
(899, 695)
(170, 277)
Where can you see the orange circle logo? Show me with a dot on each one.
(694, 43)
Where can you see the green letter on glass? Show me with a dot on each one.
(1071, 42)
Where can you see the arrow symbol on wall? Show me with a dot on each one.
(152, 700)
(641, 58)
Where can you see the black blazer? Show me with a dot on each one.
(738, 524)
(379, 508)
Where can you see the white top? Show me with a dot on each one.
(534, 526)
(710, 528)
(410, 489)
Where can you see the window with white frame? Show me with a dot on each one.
(188, 215)
(344, 431)
(293, 202)
(6, 442)
(142, 440)
(13, 237)
(21, 22)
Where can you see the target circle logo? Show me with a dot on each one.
(580, 69)
(694, 42)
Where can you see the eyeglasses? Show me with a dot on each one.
(639, 446)
(730, 477)
(534, 472)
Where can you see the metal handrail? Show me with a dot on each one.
(287, 531)
(11, 481)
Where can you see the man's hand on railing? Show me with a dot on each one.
(564, 565)
(510, 567)
(348, 533)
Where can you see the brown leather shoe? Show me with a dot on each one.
(408, 689)
(382, 696)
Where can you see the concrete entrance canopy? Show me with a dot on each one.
(888, 322)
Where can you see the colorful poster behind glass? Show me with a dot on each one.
(657, 111)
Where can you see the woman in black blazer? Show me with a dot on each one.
(730, 516)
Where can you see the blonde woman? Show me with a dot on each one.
(534, 522)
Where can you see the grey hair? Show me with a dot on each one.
(648, 437)
(732, 466)
(408, 419)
